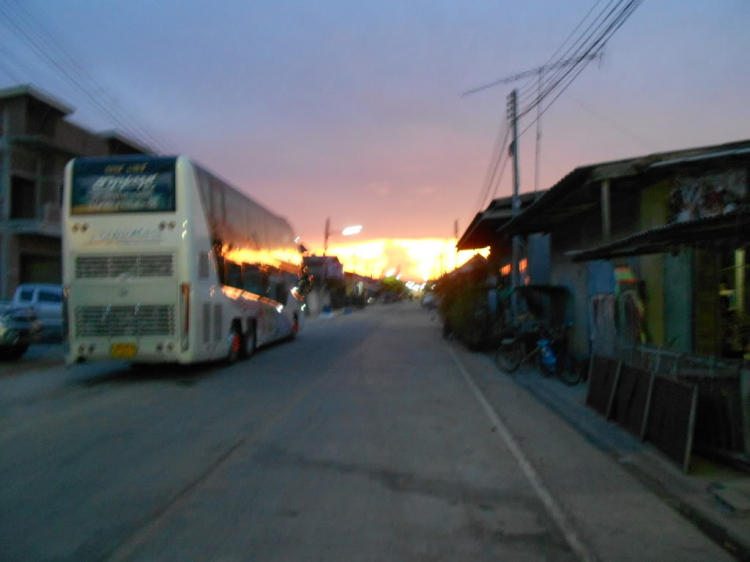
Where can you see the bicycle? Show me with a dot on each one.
(549, 348)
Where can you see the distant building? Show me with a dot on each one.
(324, 267)
(36, 141)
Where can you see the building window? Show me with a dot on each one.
(23, 198)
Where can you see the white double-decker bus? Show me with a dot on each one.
(164, 262)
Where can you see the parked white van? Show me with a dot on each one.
(46, 300)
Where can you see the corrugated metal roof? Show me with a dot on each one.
(574, 179)
(534, 218)
(483, 228)
(732, 225)
(701, 157)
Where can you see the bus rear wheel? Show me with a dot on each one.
(250, 341)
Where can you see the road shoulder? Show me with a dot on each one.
(590, 474)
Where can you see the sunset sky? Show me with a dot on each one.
(352, 110)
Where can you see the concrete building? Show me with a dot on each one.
(36, 142)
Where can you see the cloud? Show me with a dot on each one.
(382, 188)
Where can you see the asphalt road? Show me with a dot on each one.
(367, 438)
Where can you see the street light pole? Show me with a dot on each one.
(327, 234)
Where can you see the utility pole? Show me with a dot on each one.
(539, 72)
(326, 234)
(455, 233)
(516, 201)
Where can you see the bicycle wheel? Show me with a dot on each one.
(545, 369)
(571, 372)
(508, 357)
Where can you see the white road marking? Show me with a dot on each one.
(553, 508)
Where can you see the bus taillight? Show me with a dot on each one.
(185, 314)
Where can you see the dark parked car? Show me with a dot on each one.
(19, 327)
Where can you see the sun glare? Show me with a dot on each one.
(416, 260)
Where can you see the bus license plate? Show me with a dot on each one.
(123, 350)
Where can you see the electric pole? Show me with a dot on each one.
(539, 72)
(516, 201)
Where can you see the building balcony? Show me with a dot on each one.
(46, 222)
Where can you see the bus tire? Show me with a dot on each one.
(235, 345)
(250, 341)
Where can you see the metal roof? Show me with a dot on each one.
(566, 198)
(731, 226)
(543, 214)
(702, 157)
(483, 229)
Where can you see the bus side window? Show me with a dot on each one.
(279, 292)
(250, 278)
(234, 275)
(255, 280)
(220, 269)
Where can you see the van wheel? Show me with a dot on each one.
(250, 341)
(235, 346)
(13, 353)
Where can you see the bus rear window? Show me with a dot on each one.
(123, 185)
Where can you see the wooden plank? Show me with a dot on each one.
(600, 384)
(614, 391)
(631, 398)
(672, 418)
(648, 407)
(691, 430)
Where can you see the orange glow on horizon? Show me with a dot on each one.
(284, 259)
(415, 259)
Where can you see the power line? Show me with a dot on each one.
(578, 47)
(621, 22)
(29, 69)
(567, 54)
(6, 67)
(513, 77)
(64, 58)
(614, 123)
(596, 45)
(497, 156)
(43, 42)
(506, 159)
(564, 70)
(538, 72)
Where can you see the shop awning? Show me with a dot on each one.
(732, 227)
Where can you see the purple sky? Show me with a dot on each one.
(352, 110)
